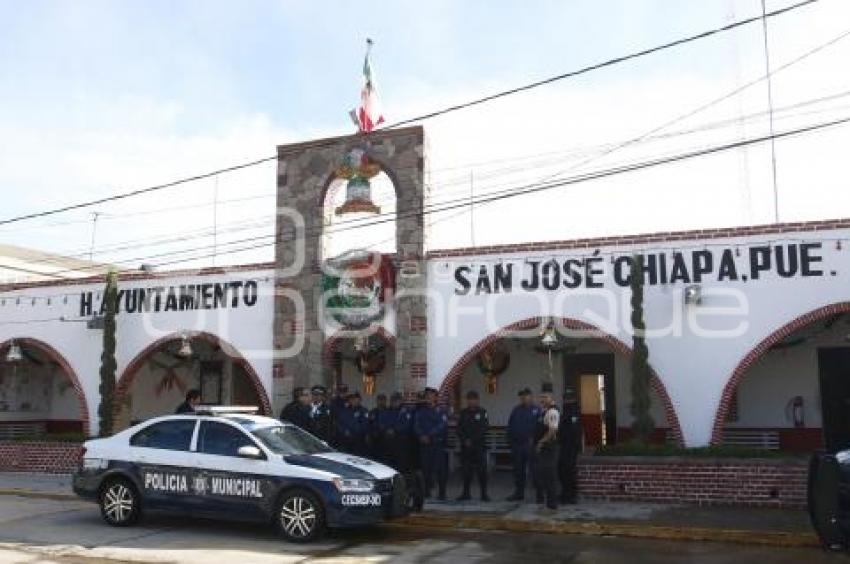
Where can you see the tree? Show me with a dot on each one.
(643, 425)
(108, 366)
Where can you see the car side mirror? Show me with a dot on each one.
(249, 451)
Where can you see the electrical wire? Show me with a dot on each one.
(429, 115)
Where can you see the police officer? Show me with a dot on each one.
(520, 436)
(431, 427)
(398, 435)
(193, 399)
(381, 420)
(472, 435)
(546, 449)
(352, 425)
(570, 438)
(321, 422)
(297, 411)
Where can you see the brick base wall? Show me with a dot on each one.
(49, 458)
(735, 482)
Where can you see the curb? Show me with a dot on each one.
(594, 528)
(36, 494)
(433, 520)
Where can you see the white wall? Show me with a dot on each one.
(781, 374)
(691, 357)
(52, 314)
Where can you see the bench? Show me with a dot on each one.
(498, 448)
(766, 439)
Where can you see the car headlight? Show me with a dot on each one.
(354, 485)
(843, 457)
(95, 463)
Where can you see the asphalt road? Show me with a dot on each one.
(43, 531)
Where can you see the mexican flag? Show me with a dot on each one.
(368, 116)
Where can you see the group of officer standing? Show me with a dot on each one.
(412, 438)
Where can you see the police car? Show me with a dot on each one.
(230, 462)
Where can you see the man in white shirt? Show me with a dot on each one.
(547, 448)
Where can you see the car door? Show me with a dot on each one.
(161, 459)
(233, 485)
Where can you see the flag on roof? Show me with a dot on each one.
(368, 116)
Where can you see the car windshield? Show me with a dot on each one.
(289, 439)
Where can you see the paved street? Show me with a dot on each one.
(40, 531)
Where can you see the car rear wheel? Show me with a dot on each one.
(300, 516)
(120, 504)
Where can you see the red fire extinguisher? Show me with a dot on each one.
(795, 412)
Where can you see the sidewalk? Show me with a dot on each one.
(773, 527)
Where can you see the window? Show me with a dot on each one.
(221, 439)
(289, 439)
(170, 435)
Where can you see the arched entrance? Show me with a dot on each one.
(40, 393)
(773, 398)
(603, 344)
(157, 379)
(341, 354)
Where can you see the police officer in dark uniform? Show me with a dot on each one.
(297, 411)
(472, 429)
(570, 438)
(399, 438)
(381, 420)
(546, 449)
(321, 422)
(520, 433)
(193, 399)
(352, 426)
(431, 427)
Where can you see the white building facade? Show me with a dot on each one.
(748, 331)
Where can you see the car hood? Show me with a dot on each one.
(343, 465)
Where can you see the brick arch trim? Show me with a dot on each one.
(452, 379)
(122, 389)
(69, 372)
(758, 351)
(332, 343)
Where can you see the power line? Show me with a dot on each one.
(539, 187)
(430, 115)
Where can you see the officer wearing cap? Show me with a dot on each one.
(352, 426)
(431, 426)
(570, 438)
(520, 433)
(472, 429)
(321, 422)
(546, 447)
(297, 411)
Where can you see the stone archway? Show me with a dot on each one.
(63, 364)
(758, 351)
(122, 389)
(332, 345)
(454, 375)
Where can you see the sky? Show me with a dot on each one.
(102, 97)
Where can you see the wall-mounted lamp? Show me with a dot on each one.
(185, 350)
(14, 354)
(693, 294)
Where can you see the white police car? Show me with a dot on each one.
(228, 462)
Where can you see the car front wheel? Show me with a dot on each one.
(300, 516)
(120, 505)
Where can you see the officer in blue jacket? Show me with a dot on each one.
(403, 446)
(352, 426)
(431, 425)
(521, 426)
(380, 429)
